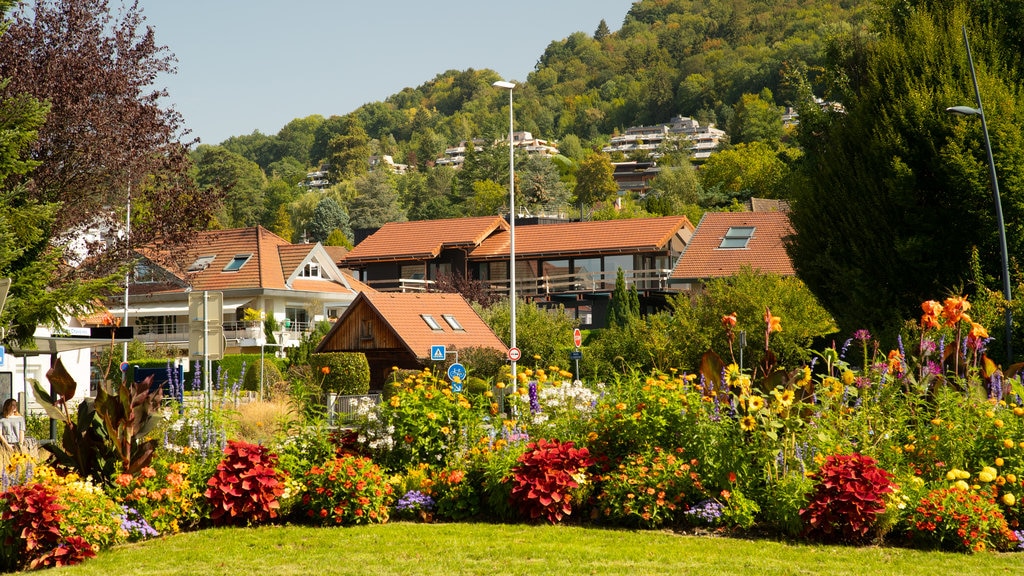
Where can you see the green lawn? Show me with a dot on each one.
(406, 548)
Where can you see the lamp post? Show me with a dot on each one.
(511, 221)
(979, 111)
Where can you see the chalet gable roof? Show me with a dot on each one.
(705, 257)
(422, 239)
(404, 314)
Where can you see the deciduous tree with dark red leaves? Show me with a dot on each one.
(106, 138)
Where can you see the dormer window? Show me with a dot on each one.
(737, 237)
(237, 262)
(201, 263)
(311, 270)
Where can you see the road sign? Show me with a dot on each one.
(3, 352)
(438, 353)
(575, 355)
(456, 373)
(514, 354)
(577, 337)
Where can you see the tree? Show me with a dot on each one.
(594, 181)
(106, 137)
(624, 308)
(602, 31)
(328, 217)
(745, 170)
(376, 203)
(893, 208)
(348, 153)
(539, 182)
(241, 181)
(756, 118)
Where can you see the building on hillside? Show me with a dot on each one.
(725, 242)
(296, 284)
(681, 132)
(385, 160)
(399, 329)
(456, 155)
(634, 177)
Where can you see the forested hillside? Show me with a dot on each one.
(723, 62)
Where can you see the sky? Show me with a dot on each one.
(248, 65)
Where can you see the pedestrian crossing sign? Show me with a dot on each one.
(437, 353)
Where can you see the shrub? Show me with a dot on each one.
(544, 477)
(161, 495)
(343, 372)
(959, 520)
(784, 499)
(271, 375)
(650, 490)
(458, 497)
(848, 498)
(30, 530)
(246, 486)
(346, 491)
(86, 510)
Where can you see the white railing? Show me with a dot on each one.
(580, 282)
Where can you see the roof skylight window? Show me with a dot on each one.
(237, 262)
(201, 263)
(431, 322)
(737, 237)
(450, 319)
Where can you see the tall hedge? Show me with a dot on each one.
(346, 372)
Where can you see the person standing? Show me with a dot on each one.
(12, 425)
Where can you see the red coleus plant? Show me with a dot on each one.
(30, 533)
(848, 498)
(246, 486)
(544, 477)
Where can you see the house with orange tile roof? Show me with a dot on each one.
(725, 242)
(566, 264)
(398, 329)
(298, 284)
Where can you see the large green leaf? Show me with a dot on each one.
(43, 399)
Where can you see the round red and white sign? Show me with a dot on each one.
(577, 337)
(514, 354)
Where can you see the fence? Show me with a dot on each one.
(341, 408)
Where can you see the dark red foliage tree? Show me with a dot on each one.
(107, 138)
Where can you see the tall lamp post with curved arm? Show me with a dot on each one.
(979, 111)
(511, 222)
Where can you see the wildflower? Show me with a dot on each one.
(755, 403)
(1009, 499)
(805, 377)
(747, 423)
(895, 362)
(978, 331)
(325, 370)
(729, 321)
(785, 398)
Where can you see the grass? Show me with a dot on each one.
(454, 549)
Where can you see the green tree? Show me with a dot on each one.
(745, 170)
(756, 118)
(594, 181)
(241, 180)
(376, 202)
(546, 333)
(489, 198)
(349, 152)
(893, 208)
(328, 217)
(539, 183)
(624, 308)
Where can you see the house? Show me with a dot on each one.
(455, 156)
(681, 131)
(570, 264)
(635, 177)
(725, 242)
(253, 268)
(399, 329)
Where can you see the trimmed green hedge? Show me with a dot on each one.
(347, 372)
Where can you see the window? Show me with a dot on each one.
(311, 270)
(737, 237)
(366, 330)
(431, 322)
(145, 274)
(452, 322)
(201, 263)
(237, 262)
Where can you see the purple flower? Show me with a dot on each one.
(863, 335)
(534, 402)
(706, 511)
(414, 501)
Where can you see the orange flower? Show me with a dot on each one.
(729, 321)
(978, 331)
(774, 322)
(895, 362)
(932, 311)
(954, 307)
(325, 370)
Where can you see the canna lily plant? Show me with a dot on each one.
(103, 432)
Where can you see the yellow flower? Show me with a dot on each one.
(394, 401)
(785, 397)
(1009, 499)
(1007, 443)
(999, 462)
(848, 377)
(432, 415)
(986, 476)
(998, 423)
(755, 403)
(747, 423)
(962, 485)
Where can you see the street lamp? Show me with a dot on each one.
(979, 111)
(511, 221)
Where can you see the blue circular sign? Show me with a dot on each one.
(456, 372)
(124, 366)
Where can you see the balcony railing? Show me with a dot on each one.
(178, 331)
(580, 282)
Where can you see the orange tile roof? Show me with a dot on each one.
(765, 251)
(630, 236)
(422, 239)
(272, 260)
(402, 312)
